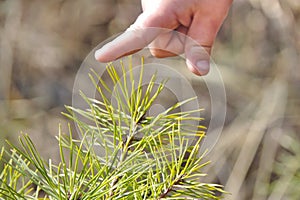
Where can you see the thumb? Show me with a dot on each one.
(197, 59)
(198, 46)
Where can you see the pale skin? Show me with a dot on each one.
(198, 19)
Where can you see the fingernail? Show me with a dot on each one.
(96, 53)
(202, 66)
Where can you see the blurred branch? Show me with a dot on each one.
(7, 39)
(269, 149)
(287, 169)
(269, 110)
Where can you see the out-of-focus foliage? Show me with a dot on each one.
(257, 50)
(42, 44)
(287, 169)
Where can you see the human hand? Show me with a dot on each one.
(198, 19)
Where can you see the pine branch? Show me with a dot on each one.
(170, 188)
(145, 157)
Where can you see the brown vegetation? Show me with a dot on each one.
(42, 44)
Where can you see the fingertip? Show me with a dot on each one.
(198, 59)
(98, 56)
(103, 54)
(200, 68)
(203, 66)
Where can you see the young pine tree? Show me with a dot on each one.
(123, 152)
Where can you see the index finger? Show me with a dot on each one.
(131, 41)
(138, 35)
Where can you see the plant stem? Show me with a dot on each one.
(124, 154)
(170, 188)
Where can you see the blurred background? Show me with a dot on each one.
(43, 43)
